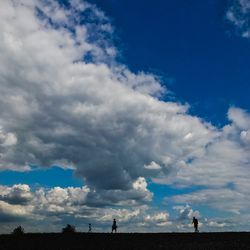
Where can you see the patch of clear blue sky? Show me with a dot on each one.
(45, 177)
(189, 41)
(166, 191)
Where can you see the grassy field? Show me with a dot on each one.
(147, 241)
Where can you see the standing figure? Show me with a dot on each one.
(195, 222)
(114, 226)
(90, 228)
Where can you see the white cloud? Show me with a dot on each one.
(53, 208)
(159, 219)
(7, 139)
(222, 171)
(226, 160)
(17, 194)
(121, 215)
(61, 205)
(216, 224)
(186, 213)
(19, 200)
(234, 201)
(239, 15)
(239, 117)
(152, 165)
(140, 184)
(95, 115)
(12, 212)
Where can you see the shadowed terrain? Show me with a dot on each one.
(136, 241)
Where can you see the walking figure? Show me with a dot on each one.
(114, 226)
(90, 228)
(195, 222)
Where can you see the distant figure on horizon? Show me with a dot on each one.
(90, 228)
(114, 226)
(195, 222)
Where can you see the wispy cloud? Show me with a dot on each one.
(239, 15)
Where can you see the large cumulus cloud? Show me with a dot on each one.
(226, 160)
(96, 115)
(58, 206)
(222, 173)
(52, 208)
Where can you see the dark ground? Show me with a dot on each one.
(149, 241)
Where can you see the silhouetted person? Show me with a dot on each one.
(195, 222)
(90, 228)
(114, 226)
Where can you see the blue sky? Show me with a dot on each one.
(137, 111)
(192, 44)
(52, 177)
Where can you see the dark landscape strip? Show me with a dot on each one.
(138, 241)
